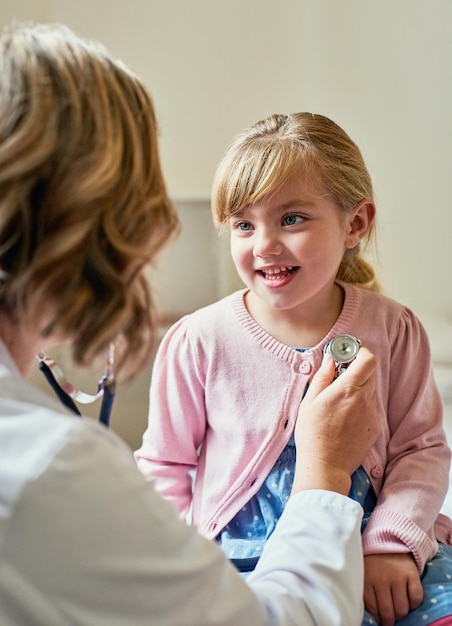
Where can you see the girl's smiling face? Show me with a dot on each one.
(287, 248)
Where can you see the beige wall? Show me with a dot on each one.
(24, 10)
(380, 69)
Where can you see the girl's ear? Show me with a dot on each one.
(359, 222)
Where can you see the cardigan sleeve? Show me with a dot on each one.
(418, 458)
(177, 419)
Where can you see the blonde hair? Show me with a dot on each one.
(263, 157)
(83, 203)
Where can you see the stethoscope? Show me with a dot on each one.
(343, 348)
(68, 394)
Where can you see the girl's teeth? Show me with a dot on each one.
(272, 274)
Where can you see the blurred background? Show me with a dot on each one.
(379, 69)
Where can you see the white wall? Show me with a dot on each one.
(380, 69)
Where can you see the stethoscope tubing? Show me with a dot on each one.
(106, 390)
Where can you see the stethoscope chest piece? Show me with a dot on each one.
(343, 348)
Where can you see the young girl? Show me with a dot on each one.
(298, 200)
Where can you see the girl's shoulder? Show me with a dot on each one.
(366, 301)
(372, 313)
(214, 323)
(216, 314)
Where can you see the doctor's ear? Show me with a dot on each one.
(359, 222)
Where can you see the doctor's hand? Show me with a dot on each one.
(337, 424)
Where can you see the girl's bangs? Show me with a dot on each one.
(258, 175)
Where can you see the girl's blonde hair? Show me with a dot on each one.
(264, 156)
(83, 203)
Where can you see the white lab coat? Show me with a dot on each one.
(85, 540)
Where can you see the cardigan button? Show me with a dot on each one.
(376, 471)
(305, 367)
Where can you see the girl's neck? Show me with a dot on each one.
(301, 327)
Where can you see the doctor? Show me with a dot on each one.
(83, 538)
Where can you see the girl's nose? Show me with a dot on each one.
(266, 243)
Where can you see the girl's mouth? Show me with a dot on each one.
(277, 273)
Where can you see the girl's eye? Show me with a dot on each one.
(242, 226)
(292, 220)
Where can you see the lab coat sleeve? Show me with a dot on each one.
(312, 565)
(91, 542)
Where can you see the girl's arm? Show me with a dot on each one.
(418, 458)
(177, 420)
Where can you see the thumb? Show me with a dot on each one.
(323, 377)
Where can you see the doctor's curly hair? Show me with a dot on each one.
(83, 202)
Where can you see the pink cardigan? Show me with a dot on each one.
(224, 399)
